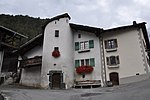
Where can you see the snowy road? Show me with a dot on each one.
(134, 91)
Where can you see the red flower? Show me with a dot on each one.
(55, 53)
(84, 69)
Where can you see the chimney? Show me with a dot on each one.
(134, 23)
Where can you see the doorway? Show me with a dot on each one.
(114, 78)
(56, 81)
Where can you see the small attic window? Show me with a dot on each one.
(79, 35)
(56, 48)
(67, 20)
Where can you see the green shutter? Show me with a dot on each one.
(92, 62)
(77, 63)
(76, 45)
(91, 43)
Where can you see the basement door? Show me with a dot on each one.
(114, 78)
(56, 81)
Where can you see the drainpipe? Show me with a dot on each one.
(103, 67)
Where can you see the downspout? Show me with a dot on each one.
(103, 67)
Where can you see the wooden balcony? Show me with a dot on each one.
(31, 62)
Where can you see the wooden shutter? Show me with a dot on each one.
(106, 44)
(117, 59)
(77, 63)
(92, 62)
(115, 41)
(91, 43)
(107, 59)
(76, 45)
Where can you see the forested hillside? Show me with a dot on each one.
(26, 25)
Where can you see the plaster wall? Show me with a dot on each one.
(63, 63)
(32, 76)
(130, 51)
(93, 53)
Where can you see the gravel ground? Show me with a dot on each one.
(133, 91)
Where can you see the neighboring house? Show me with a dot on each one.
(30, 61)
(125, 53)
(9, 41)
(69, 55)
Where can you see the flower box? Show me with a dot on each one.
(84, 69)
(55, 53)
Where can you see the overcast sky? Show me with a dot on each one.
(99, 13)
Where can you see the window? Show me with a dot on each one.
(79, 35)
(56, 33)
(82, 62)
(56, 48)
(111, 44)
(85, 62)
(84, 45)
(113, 60)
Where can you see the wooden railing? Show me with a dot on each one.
(31, 62)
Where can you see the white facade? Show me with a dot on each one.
(125, 63)
(92, 53)
(131, 55)
(64, 42)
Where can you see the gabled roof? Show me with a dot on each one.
(56, 18)
(135, 25)
(11, 32)
(95, 30)
(38, 40)
(60, 16)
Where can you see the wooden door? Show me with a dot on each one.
(114, 78)
(56, 81)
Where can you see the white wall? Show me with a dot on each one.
(63, 63)
(32, 76)
(129, 51)
(36, 51)
(93, 53)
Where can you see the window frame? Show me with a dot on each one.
(56, 33)
(111, 44)
(113, 61)
(84, 45)
(83, 62)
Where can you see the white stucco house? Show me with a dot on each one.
(69, 55)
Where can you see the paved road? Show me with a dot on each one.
(134, 91)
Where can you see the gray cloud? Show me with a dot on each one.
(100, 13)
